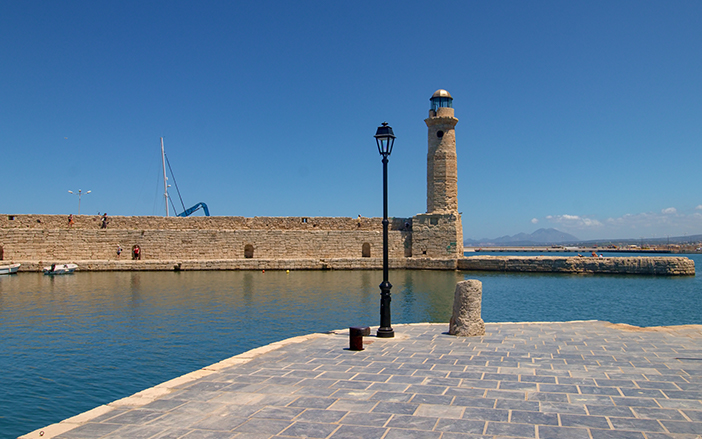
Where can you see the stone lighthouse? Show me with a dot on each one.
(442, 175)
(439, 233)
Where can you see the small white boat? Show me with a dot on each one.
(9, 269)
(60, 269)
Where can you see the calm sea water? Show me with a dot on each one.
(71, 343)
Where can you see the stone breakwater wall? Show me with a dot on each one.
(660, 265)
(250, 264)
(194, 244)
(51, 238)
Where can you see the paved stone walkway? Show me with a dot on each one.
(590, 380)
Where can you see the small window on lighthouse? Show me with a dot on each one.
(439, 134)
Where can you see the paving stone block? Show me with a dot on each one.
(479, 384)
(646, 393)
(680, 403)
(280, 413)
(615, 434)
(406, 379)
(552, 432)
(353, 394)
(309, 430)
(276, 400)
(319, 415)
(220, 423)
(683, 427)
(460, 426)
(389, 387)
(400, 408)
(511, 404)
(554, 407)
(372, 377)
(315, 391)
(505, 394)
(355, 432)
(583, 421)
(412, 422)
(634, 402)
(469, 401)
(485, 414)
(428, 390)
(312, 402)
(396, 433)
(432, 399)
(276, 381)
(533, 417)
(439, 411)
(550, 397)
(645, 425)
(519, 386)
(391, 396)
(658, 413)
(352, 384)
(353, 406)
(596, 390)
(540, 379)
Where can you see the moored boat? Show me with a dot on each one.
(9, 269)
(60, 269)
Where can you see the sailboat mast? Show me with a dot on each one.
(165, 179)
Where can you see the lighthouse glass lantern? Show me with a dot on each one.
(441, 99)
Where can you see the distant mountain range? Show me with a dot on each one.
(539, 237)
(543, 237)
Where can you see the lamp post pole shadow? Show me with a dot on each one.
(385, 138)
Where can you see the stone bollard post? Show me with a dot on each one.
(466, 320)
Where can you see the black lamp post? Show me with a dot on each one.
(385, 139)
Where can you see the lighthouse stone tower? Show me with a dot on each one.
(439, 232)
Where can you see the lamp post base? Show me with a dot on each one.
(385, 330)
(385, 333)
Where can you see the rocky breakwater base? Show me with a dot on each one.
(639, 265)
(661, 265)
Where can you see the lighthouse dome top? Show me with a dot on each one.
(441, 93)
(441, 99)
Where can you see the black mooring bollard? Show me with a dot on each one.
(356, 334)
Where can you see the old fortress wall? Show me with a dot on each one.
(50, 237)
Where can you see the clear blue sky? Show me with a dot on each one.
(582, 116)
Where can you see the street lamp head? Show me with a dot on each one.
(88, 192)
(385, 139)
(70, 192)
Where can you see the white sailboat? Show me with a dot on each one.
(186, 212)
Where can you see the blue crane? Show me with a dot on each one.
(195, 208)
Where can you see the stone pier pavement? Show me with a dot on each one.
(589, 380)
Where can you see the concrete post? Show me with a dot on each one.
(466, 320)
